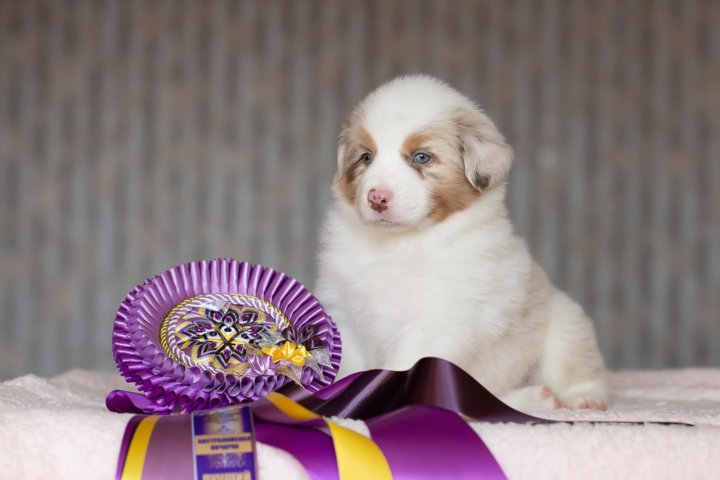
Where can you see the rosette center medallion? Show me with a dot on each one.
(220, 331)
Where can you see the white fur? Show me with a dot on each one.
(465, 289)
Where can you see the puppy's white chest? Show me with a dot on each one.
(403, 292)
(406, 290)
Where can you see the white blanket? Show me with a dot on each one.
(59, 428)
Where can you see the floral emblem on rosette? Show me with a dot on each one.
(242, 340)
(221, 336)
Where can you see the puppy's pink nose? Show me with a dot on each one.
(379, 199)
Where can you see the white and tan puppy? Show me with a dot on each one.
(418, 257)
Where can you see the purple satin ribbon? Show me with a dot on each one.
(411, 415)
(417, 441)
(431, 382)
(312, 448)
(125, 444)
(170, 449)
(429, 442)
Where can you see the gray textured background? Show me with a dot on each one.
(136, 135)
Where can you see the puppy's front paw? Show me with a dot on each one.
(586, 395)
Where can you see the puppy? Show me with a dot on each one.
(418, 257)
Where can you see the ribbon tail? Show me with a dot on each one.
(122, 401)
(431, 381)
(430, 442)
(312, 448)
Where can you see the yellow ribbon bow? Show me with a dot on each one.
(289, 352)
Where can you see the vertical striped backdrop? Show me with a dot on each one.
(136, 135)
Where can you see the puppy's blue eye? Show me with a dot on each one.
(366, 157)
(421, 158)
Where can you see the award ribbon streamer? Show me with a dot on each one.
(416, 420)
(204, 445)
(414, 442)
(357, 456)
(413, 418)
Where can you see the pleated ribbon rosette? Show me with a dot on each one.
(215, 333)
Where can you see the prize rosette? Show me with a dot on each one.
(214, 333)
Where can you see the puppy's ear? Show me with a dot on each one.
(342, 151)
(353, 141)
(486, 156)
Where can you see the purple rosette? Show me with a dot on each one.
(214, 333)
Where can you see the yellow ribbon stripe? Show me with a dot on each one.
(291, 408)
(135, 458)
(358, 457)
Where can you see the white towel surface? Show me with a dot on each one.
(59, 428)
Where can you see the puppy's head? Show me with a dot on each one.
(414, 152)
